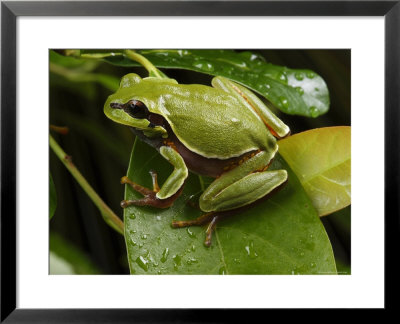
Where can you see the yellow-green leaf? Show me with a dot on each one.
(321, 159)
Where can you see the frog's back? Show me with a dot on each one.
(211, 122)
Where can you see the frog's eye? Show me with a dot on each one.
(133, 108)
(136, 109)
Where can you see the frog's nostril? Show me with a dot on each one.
(116, 105)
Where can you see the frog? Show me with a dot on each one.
(223, 131)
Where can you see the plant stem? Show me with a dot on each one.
(111, 219)
(153, 71)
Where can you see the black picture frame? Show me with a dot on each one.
(10, 10)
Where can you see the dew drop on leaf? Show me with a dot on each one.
(203, 65)
(314, 111)
(250, 250)
(177, 261)
(228, 69)
(282, 77)
(299, 76)
(300, 90)
(183, 52)
(165, 255)
(284, 102)
(191, 260)
(191, 234)
(143, 263)
(310, 75)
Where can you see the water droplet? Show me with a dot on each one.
(177, 261)
(203, 65)
(165, 255)
(158, 217)
(191, 260)
(282, 77)
(302, 254)
(284, 102)
(310, 75)
(183, 52)
(251, 56)
(228, 69)
(264, 87)
(222, 270)
(193, 248)
(250, 250)
(313, 111)
(236, 260)
(144, 236)
(300, 90)
(313, 265)
(133, 242)
(299, 76)
(140, 245)
(132, 216)
(143, 263)
(191, 234)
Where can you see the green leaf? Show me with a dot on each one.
(66, 258)
(80, 71)
(281, 235)
(52, 198)
(295, 92)
(321, 159)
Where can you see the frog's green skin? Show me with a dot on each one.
(224, 131)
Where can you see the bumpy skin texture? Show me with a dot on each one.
(225, 132)
(232, 129)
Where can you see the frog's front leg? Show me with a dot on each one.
(171, 189)
(236, 188)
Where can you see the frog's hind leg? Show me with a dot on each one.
(149, 196)
(242, 185)
(210, 218)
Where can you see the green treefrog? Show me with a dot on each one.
(224, 131)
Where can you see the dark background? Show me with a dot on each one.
(101, 149)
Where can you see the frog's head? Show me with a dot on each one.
(129, 106)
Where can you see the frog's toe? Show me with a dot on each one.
(149, 198)
(210, 218)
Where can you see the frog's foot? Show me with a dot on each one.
(149, 196)
(210, 218)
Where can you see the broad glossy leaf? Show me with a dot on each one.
(321, 159)
(52, 198)
(281, 235)
(293, 91)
